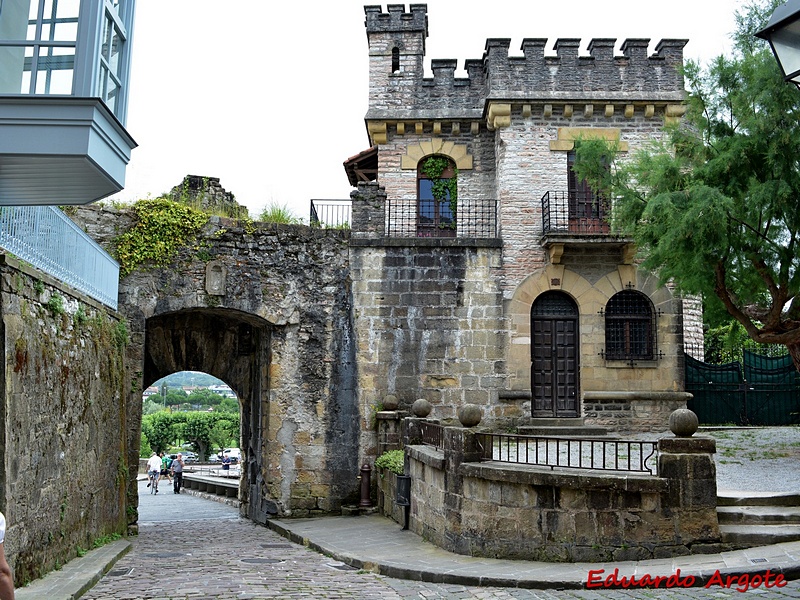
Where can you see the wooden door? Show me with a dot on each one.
(554, 356)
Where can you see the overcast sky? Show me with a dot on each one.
(270, 96)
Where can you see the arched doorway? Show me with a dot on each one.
(234, 347)
(554, 356)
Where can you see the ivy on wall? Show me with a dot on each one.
(162, 227)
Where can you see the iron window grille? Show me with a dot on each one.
(630, 327)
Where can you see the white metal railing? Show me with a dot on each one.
(47, 239)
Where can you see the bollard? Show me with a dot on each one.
(366, 472)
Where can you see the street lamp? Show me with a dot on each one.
(783, 34)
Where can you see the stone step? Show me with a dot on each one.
(758, 515)
(748, 536)
(733, 498)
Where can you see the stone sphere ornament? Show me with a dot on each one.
(421, 408)
(390, 402)
(470, 415)
(683, 422)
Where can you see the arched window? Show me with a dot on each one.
(437, 195)
(630, 327)
(395, 59)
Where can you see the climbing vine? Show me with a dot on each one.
(433, 168)
(162, 227)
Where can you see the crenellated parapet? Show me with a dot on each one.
(400, 90)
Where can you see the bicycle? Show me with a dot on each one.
(152, 477)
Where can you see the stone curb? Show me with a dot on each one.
(576, 579)
(76, 577)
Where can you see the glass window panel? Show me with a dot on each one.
(60, 82)
(426, 212)
(33, 13)
(25, 88)
(45, 34)
(112, 94)
(68, 9)
(31, 35)
(48, 8)
(425, 189)
(66, 32)
(116, 46)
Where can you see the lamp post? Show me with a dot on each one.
(783, 34)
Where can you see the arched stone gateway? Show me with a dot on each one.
(232, 346)
(268, 309)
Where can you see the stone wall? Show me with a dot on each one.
(65, 445)
(268, 309)
(512, 511)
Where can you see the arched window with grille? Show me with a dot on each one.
(630, 327)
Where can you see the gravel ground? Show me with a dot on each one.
(754, 459)
(757, 459)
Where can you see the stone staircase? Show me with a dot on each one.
(567, 428)
(750, 519)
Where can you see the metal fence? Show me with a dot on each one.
(754, 390)
(336, 214)
(576, 213)
(431, 434)
(589, 454)
(47, 239)
(475, 218)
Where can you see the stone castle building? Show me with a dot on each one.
(511, 290)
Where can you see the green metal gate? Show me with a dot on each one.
(761, 390)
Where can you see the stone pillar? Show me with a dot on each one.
(368, 211)
(688, 465)
(389, 430)
(460, 446)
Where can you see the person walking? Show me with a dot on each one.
(154, 471)
(166, 463)
(177, 474)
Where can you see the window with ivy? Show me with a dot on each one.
(630, 327)
(437, 193)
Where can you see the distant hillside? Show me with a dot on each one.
(189, 378)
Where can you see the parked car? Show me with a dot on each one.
(234, 453)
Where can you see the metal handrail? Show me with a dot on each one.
(582, 453)
(51, 242)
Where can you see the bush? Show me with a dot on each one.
(393, 460)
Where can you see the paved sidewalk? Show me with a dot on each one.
(377, 544)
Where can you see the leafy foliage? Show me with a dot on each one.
(162, 227)
(393, 460)
(283, 215)
(715, 209)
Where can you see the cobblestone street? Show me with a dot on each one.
(194, 548)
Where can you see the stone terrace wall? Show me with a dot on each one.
(64, 440)
(510, 511)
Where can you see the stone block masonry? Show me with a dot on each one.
(65, 445)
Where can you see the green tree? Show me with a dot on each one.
(196, 428)
(715, 210)
(159, 429)
(229, 405)
(225, 431)
(204, 397)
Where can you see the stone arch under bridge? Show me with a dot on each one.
(268, 309)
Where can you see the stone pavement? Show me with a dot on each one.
(190, 547)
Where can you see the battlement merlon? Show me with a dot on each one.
(396, 19)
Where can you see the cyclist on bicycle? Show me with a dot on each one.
(153, 471)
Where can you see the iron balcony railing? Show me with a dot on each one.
(333, 214)
(589, 454)
(47, 239)
(474, 218)
(577, 213)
